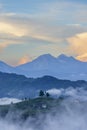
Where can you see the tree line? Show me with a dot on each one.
(43, 94)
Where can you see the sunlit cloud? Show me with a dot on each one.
(82, 57)
(78, 44)
(55, 27)
(11, 29)
(41, 27)
(3, 44)
(25, 31)
(25, 59)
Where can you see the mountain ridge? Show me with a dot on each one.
(19, 86)
(64, 67)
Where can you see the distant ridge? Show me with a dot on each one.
(64, 67)
(18, 86)
(5, 67)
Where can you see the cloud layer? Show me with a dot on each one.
(54, 27)
(70, 114)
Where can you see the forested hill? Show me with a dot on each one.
(12, 85)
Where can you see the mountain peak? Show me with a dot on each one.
(45, 57)
(63, 57)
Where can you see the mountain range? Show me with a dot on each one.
(19, 86)
(62, 67)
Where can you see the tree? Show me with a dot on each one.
(47, 94)
(41, 93)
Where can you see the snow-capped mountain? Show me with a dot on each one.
(63, 67)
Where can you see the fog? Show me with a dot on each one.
(71, 114)
(71, 120)
(6, 101)
(75, 93)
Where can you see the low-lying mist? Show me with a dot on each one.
(75, 93)
(71, 115)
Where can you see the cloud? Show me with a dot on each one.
(3, 44)
(82, 57)
(6, 101)
(44, 24)
(53, 26)
(24, 30)
(24, 60)
(8, 28)
(55, 91)
(78, 44)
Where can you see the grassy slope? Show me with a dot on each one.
(29, 108)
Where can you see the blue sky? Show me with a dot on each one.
(29, 28)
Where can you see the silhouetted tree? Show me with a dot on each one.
(25, 98)
(41, 93)
(47, 94)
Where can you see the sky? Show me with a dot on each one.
(29, 28)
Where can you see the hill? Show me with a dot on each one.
(18, 86)
(29, 108)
